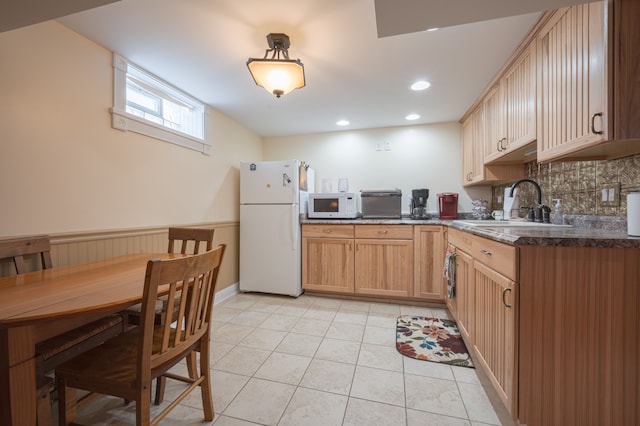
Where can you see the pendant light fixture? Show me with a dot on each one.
(279, 74)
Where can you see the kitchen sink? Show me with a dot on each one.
(508, 223)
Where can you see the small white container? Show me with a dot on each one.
(633, 213)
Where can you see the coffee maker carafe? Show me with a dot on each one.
(419, 203)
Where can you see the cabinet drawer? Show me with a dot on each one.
(498, 256)
(327, 231)
(460, 239)
(394, 232)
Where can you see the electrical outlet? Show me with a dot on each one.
(609, 195)
(387, 146)
(378, 147)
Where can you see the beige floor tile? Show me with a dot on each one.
(241, 303)
(230, 421)
(218, 350)
(327, 302)
(224, 387)
(261, 401)
(231, 333)
(292, 310)
(421, 418)
(415, 310)
(312, 327)
(387, 308)
(310, 407)
(377, 385)
(263, 339)
(224, 314)
(279, 322)
(266, 307)
(299, 344)
(320, 313)
(345, 331)
(420, 367)
(283, 368)
(383, 357)
(355, 305)
(349, 317)
(338, 350)
(477, 403)
(250, 318)
(434, 395)
(466, 375)
(379, 336)
(242, 360)
(329, 376)
(360, 412)
(384, 320)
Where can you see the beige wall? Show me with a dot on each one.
(63, 169)
(426, 156)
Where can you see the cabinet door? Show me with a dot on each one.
(384, 267)
(573, 87)
(467, 151)
(465, 298)
(495, 133)
(520, 100)
(495, 338)
(428, 244)
(328, 264)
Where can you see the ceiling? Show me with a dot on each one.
(202, 46)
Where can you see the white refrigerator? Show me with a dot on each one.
(273, 194)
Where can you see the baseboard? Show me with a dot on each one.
(226, 293)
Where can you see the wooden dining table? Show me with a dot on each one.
(39, 305)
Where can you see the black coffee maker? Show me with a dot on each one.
(419, 203)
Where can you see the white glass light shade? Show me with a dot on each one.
(277, 76)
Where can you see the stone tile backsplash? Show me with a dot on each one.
(579, 185)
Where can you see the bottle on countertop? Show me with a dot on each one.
(557, 218)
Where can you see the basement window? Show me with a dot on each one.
(146, 104)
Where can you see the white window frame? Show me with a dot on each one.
(122, 120)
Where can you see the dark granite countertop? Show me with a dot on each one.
(554, 236)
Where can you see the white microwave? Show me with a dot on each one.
(333, 205)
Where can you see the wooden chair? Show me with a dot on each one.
(58, 349)
(187, 241)
(126, 365)
(185, 238)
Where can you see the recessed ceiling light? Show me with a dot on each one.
(420, 85)
(343, 122)
(432, 29)
(412, 117)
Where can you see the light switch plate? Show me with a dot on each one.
(609, 195)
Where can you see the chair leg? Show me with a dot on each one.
(191, 365)
(205, 386)
(143, 407)
(43, 405)
(67, 403)
(161, 383)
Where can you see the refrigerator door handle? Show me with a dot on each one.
(294, 227)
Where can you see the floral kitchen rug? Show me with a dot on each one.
(431, 339)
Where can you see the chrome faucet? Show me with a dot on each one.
(538, 213)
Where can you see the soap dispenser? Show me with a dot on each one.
(557, 212)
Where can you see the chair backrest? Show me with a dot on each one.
(192, 280)
(186, 235)
(18, 248)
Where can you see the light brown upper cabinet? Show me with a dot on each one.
(474, 169)
(510, 108)
(588, 72)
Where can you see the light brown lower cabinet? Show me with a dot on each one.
(556, 328)
(328, 258)
(386, 261)
(486, 308)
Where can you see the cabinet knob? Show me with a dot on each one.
(327, 231)
(382, 231)
(486, 252)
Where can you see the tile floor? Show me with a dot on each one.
(320, 361)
